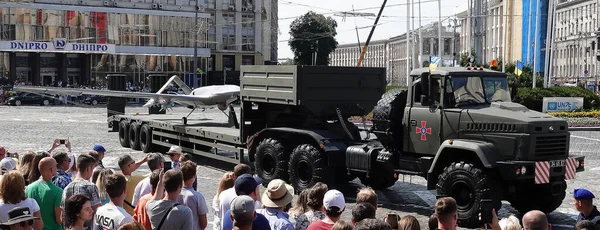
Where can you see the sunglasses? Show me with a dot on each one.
(26, 223)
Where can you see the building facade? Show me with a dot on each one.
(575, 28)
(391, 53)
(73, 42)
(348, 54)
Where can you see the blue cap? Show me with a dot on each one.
(583, 194)
(99, 148)
(245, 184)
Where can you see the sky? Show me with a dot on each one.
(392, 23)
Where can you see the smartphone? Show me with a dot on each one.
(486, 211)
(62, 141)
(392, 220)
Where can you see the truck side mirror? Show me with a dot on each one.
(425, 89)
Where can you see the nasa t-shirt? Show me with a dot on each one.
(110, 217)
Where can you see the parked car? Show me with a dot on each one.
(33, 99)
(94, 99)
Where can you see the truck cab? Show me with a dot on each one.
(471, 142)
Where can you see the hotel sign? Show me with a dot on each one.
(59, 46)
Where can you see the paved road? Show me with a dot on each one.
(34, 127)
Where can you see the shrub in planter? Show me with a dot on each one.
(533, 98)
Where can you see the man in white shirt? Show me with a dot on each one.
(112, 215)
(155, 161)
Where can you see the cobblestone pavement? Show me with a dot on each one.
(34, 127)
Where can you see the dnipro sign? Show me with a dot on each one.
(58, 45)
(559, 104)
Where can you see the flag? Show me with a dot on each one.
(433, 63)
(519, 68)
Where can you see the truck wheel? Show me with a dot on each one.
(468, 185)
(306, 167)
(124, 134)
(134, 136)
(271, 160)
(539, 197)
(146, 138)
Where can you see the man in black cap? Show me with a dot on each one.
(19, 218)
(584, 205)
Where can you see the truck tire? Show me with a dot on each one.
(468, 185)
(134, 136)
(539, 197)
(387, 118)
(146, 138)
(124, 134)
(271, 160)
(307, 166)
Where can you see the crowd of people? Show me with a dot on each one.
(57, 189)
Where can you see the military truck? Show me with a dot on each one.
(456, 127)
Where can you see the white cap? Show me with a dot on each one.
(175, 149)
(334, 198)
(73, 159)
(8, 164)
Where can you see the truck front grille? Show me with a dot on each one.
(551, 145)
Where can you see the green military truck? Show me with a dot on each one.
(456, 127)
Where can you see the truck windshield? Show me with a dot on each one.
(479, 90)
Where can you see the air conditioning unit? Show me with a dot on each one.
(154, 6)
(115, 3)
(106, 3)
(160, 6)
(81, 1)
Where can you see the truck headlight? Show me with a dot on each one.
(523, 170)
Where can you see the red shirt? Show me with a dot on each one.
(320, 225)
(140, 212)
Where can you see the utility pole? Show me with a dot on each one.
(535, 42)
(550, 43)
(528, 45)
(412, 35)
(504, 19)
(440, 42)
(196, 43)
(420, 38)
(407, 42)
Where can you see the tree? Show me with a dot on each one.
(464, 58)
(312, 32)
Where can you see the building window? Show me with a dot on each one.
(248, 60)
(211, 4)
(247, 5)
(229, 32)
(229, 5)
(228, 62)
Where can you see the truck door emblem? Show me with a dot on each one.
(423, 130)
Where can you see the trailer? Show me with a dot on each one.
(456, 127)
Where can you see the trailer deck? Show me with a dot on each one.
(207, 137)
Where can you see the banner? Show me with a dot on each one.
(59, 45)
(560, 104)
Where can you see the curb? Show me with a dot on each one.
(584, 128)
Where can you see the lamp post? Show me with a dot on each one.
(196, 30)
(454, 24)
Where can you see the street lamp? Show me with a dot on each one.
(453, 23)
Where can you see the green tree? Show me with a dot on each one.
(464, 58)
(312, 32)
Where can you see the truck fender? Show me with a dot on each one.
(324, 140)
(483, 153)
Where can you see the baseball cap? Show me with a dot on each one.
(245, 184)
(583, 194)
(99, 148)
(242, 204)
(334, 198)
(8, 164)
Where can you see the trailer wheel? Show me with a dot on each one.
(146, 138)
(543, 197)
(134, 136)
(124, 134)
(468, 185)
(307, 166)
(271, 160)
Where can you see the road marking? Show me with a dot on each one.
(96, 121)
(17, 119)
(71, 120)
(595, 169)
(41, 119)
(427, 197)
(586, 138)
